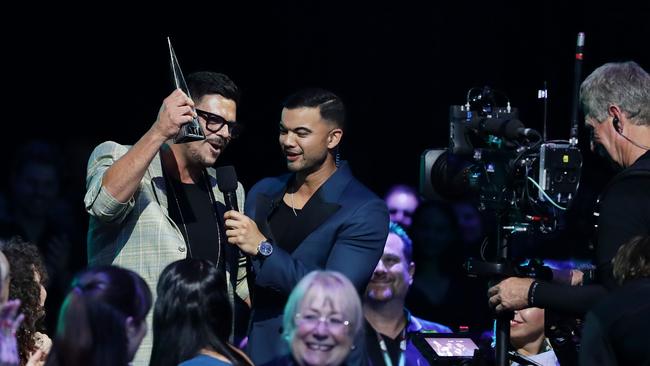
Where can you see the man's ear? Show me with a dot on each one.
(615, 112)
(334, 138)
(411, 271)
(131, 327)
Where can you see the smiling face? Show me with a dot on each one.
(393, 274)
(320, 337)
(527, 327)
(306, 138)
(204, 153)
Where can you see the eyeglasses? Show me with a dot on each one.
(215, 122)
(332, 322)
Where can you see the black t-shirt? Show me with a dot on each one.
(289, 229)
(283, 224)
(198, 219)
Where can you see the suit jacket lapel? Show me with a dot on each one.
(265, 204)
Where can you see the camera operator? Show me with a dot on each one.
(616, 102)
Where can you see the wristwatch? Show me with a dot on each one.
(265, 248)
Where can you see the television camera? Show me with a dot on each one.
(492, 154)
(525, 181)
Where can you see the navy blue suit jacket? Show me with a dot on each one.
(351, 226)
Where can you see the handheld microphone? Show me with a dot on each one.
(227, 183)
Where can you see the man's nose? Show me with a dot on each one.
(381, 268)
(224, 131)
(286, 141)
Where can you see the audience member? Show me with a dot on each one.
(37, 212)
(402, 200)
(528, 339)
(441, 289)
(470, 224)
(102, 320)
(192, 317)
(616, 329)
(27, 280)
(322, 318)
(389, 325)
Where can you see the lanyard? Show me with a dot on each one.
(384, 349)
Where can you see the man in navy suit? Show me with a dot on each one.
(316, 217)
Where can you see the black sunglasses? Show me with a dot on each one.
(215, 122)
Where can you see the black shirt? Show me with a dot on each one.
(198, 219)
(289, 230)
(283, 223)
(624, 213)
(375, 354)
(616, 329)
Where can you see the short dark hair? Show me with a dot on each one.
(407, 248)
(632, 259)
(202, 83)
(330, 106)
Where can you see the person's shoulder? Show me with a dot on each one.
(632, 187)
(356, 190)
(631, 295)
(430, 326)
(110, 148)
(203, 360)
(112, 145)
(270, 183)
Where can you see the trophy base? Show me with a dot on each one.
(189, 132)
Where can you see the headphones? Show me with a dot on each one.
(619, 129)
(617, 125)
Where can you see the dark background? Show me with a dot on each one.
(80, 76)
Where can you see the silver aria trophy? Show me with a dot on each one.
(190, 131)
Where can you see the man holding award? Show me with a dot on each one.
(156, 202)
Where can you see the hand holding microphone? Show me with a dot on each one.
(241, 230)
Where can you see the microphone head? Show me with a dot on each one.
(227, 178)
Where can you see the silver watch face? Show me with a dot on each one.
(265, 248)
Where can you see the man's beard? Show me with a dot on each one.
(380, 295)
(201, 160)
